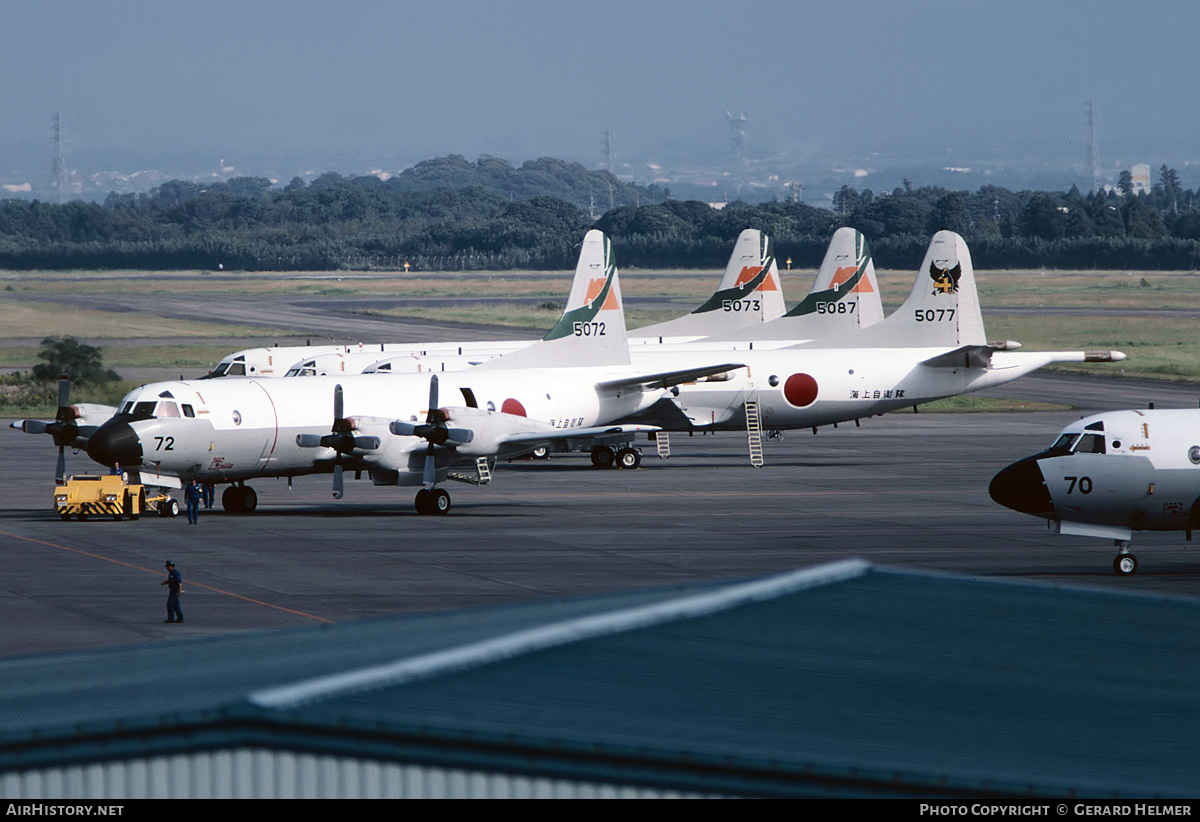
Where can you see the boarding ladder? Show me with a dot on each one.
(754, 433)
(663, 440)
(483, 473)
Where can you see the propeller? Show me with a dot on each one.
(434, 430)
(64, 429)
(341, 439)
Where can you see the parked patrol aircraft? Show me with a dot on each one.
(749, 294)
(230, 431)
(1111, 474)
(746, 312)
(932, 347)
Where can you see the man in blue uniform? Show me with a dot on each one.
(174, 583)
(192, 495)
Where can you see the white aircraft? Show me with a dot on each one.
(230, 431)
(1111, 474)
(932, 347)
(746, 312)
(749, 294)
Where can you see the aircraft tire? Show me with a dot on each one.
(422, 502)
(628, 459)
(1125, 564)
(249, 499)
(542, 452)
(439, 502)
(231, 500)
(603, 457)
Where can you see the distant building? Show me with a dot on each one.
(1140, 177)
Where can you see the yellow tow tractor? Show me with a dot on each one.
(112, 495)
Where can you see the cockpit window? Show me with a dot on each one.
(1064, 442)
(144, 409)
(220, 370)
(127, 407)
(188, 411)
(237, 369)
(168, 409)
(1090, 444)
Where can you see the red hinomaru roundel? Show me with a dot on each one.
(800, 390)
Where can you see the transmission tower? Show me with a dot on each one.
(737, 136)
(58, 170)
(608, 166)
(1093, 148)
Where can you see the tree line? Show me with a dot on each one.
(451, 214)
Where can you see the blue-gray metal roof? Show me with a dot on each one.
(865, 680)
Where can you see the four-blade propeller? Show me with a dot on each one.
(341, 439)
(435, 431)
(63, 430)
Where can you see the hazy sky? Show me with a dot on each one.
(361, 81)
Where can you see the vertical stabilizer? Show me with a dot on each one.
(749, 294)
(844, 297)
(591, 330)
(942, 310)
(846, 277)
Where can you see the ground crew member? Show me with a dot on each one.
(174, 583)
(192, 495)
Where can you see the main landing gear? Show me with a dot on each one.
(605, 457)
(1125, 563)
(239, 499)
(433, 501)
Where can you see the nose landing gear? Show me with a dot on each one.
(1125, 563)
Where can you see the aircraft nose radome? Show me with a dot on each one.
(115, 443)
(1021, 487)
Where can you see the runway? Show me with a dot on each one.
(904, 490)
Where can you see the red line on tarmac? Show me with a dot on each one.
(158, 573)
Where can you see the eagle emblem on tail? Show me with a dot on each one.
(945, 280)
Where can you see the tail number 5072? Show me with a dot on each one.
(589, 329)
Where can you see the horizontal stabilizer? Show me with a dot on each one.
(967, 356)
(666, 379)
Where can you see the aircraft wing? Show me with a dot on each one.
(666, 379)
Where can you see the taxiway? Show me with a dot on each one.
(904, 490)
